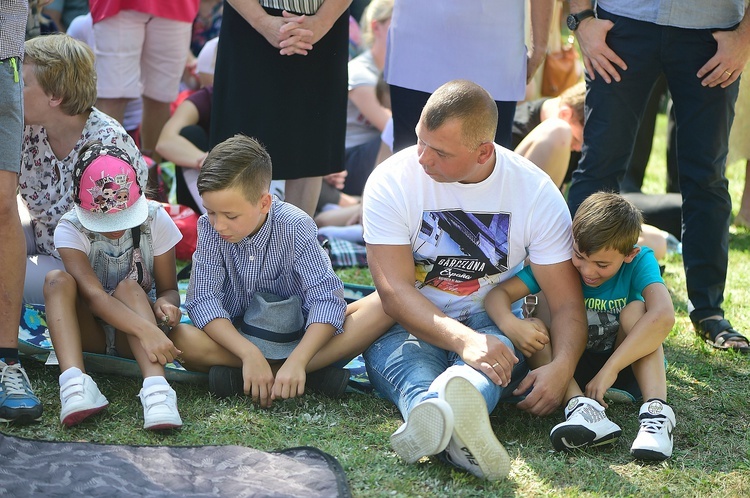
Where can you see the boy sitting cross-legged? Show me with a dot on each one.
(630, 313)
(254, 254)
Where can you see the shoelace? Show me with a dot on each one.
(653, 425)
(13, 377)
(588, 412)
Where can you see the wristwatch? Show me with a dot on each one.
(574, 20)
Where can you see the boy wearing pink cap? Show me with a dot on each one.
(119, 281)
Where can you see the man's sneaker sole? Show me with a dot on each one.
(642, 454)
(24, 416)
(427, 431)
(571, 437)
(471, 423)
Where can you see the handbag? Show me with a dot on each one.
(561, 70)
(187, 222)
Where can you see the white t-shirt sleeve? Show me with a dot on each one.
(384, 208)
(551, 235)
(386, 136)
(165, 233)
(67, 236)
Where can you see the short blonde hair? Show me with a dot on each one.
(64, 68)
(376, 10)
(606, 220)
(468, 102)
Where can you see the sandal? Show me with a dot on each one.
(716, 333)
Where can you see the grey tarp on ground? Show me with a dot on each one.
(48, 468)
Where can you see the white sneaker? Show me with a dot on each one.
(159, 407)
(585, 424)
(80, 398)
(427, 430)
(473, 445)
(654, 440)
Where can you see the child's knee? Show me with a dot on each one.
(57, 281)
(630, 314)
(127, 286)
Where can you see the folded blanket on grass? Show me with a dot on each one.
(45, 468)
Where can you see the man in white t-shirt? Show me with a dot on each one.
(446, 220)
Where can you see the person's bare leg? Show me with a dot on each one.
(548, 146)
(338, 217)
(155, 115)
(649, 371)
(653, 238)
(112, 107)
(304, 193)
(365, 322)
(71, 325)
(199, 351)
(13, 258)
(743, 215)
(135, 298)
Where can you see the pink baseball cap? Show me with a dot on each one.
(105, 190)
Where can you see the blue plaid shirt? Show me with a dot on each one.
(283, 258)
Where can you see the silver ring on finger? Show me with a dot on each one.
(495, 365)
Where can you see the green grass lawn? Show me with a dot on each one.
(709, 391)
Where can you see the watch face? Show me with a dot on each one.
(572, 22)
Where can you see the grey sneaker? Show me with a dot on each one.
(473, 445)
(654, 440)
(427, 430)
(585, 424)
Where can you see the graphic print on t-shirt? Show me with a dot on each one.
(459, 250)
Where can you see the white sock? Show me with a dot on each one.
(154, 380)
(70, 373)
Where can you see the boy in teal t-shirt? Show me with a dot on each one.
(629, 312)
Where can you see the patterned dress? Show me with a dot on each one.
(46, 182)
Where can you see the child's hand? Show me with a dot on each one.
(290, 381)
(158, 347)
(602, 381)
(258, 380)
(167, 313)
(528, 335)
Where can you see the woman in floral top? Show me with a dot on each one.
(59, 94)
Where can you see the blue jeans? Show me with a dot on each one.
(402, 368)
(703, 118)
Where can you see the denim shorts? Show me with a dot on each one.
(11, 114)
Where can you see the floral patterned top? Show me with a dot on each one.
(46, 182)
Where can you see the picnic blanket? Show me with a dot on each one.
(46, 468)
